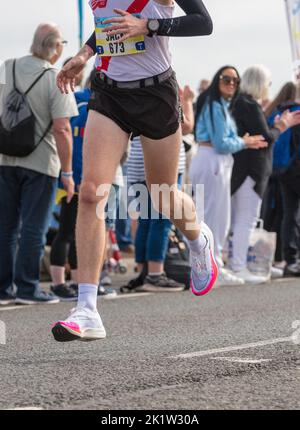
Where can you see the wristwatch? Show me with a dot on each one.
(153, 27)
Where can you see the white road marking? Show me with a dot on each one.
(11, 308)
(28, 408)
(283, 280)
(130, 296)
(120, 296)
(235, 348)
(242, 360)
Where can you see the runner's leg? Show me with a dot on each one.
(104, 146)
(163, 170)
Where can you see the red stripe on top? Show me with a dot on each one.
(136, 7)
(98, 3)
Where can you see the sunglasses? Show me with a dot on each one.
(227, 80)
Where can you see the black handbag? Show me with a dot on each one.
(177, 265)
(17, 123)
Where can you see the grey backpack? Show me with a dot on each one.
(17, 123)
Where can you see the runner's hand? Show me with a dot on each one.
(69, 187)
(126, 25)
(255, 142)
(188, 94)
(67, 76)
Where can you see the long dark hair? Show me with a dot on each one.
(287, 94)
(213, 94)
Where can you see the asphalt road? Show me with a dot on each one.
(232, 349)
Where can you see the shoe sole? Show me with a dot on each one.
(266, 281)
(62, 333)
(148, 288)
(74, 299)
(108, 296)
(214, 279)
(7, 302)
(30, 303)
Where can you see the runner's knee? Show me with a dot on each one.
(88, 193)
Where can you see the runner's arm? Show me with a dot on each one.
(91, 42)
(196, 22)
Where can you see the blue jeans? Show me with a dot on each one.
(152, 237)
(26, 201)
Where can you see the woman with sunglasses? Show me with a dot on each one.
(217, 138)
(252, 169)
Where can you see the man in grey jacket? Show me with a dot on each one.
(28, 184)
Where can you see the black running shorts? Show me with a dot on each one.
(153, 111)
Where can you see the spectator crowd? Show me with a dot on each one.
(239, 159)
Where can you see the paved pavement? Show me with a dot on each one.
(233, 349)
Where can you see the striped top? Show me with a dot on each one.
(136, 166)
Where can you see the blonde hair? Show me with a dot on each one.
(256, 81)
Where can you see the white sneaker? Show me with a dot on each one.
(82, 324)
(227, 278)
(276, 273)
(250, 278)
(204, 271)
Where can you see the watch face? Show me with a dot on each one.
(153, 25)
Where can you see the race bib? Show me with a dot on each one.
(109, 46)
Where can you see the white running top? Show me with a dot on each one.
(155, 60)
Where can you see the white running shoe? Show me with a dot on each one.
(204, 267)
(276, 273)
(251, 278)
(227, 278)
(82, 324)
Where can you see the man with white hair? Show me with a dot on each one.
(28, 184)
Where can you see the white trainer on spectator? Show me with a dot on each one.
(227, 278)
(276, 273)
(251, 278)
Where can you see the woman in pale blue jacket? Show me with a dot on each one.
(211, 168)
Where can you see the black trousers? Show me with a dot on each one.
(290, 186)
(64, 247)
(272, 213)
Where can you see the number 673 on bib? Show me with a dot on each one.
(108, 45)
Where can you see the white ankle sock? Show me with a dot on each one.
(198, 245)
(87, 296)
